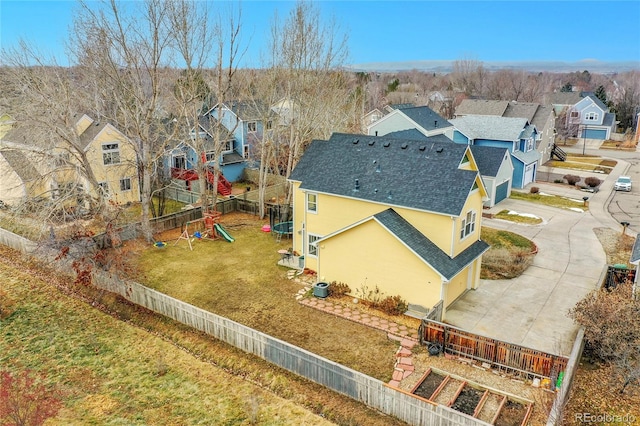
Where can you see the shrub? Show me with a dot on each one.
(534, 190)
(393, 305)
(338, 289)
(592, 181)
(572, 179)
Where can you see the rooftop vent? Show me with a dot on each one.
(387, 144)
(439, 149)
(390, 196)
(435, 123)
(355, 141)
(422, 148)
(357, 185)
(371, 143)
(404, 146)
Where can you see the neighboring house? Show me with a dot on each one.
(391, 216)
(112, 158)
(494, 164)
(592, 117)
(246, 121)
(516, 135)
(109, 153)
(496, 168)
(183, 159)
(562, 101)
(541, 116)
(370, 118)
(19, 178)
(424, 119)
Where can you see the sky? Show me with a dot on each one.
(395, 31)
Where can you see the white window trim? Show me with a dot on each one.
(130, 184)
(306, 202)
(464, 224)
(255, 125)
(591, 116)
(311, 245)
(104, 187)
(111, 151)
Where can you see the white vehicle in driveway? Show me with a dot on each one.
(623, 184)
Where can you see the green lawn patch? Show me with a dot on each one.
(516, 217)
(550, 200)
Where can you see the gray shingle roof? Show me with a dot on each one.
(416, 135)
(635, 252)
(596, 100)
(446, 266)
(521, 109)
(209, 124)
(488, 158)
(90, 133)
(394, 172)
(21, 165)
(490, 127)
(250, 110)
(481, 107)
(541, 116)
(526, 157)
(425, 117)
(563, 98)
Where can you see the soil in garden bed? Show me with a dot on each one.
(512, 414)
(429, 385)
(467, 401)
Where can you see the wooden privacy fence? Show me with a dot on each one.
(503, 355)
(368, 390)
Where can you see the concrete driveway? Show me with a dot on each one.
(531, 310)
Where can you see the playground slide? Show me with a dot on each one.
(223, 232)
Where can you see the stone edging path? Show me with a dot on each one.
(407, 338)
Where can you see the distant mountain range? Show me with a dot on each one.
(446, 66)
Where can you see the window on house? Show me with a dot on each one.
(475, 186)
(104, 188)
(465, 160)
(125, 184)
(252, 126)
(529, 145)
(62, 159)
(180, 162)
(312, 203)
(312, 248)
(575, 114)
(245, 151)
(468, 225)
(208, 156)
(591, 116)
(228, 145)
(110, 153)
(269, 125)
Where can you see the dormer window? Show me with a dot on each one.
(591, 116)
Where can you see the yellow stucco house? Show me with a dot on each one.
(112, 159)
(49, 169)
(399, 216)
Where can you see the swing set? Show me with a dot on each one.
(203, 228)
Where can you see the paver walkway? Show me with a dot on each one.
(406, 337)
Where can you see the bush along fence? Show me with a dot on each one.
(505, 356)
(368, 390)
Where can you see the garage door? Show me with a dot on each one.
(502, 191)
(528, 173)
(594, 134)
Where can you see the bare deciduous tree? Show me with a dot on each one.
(612, 330)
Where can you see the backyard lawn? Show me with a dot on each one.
(241, 281)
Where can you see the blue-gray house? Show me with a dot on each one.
(517, 135)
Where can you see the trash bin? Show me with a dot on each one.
(321, 290)
(301, 262)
